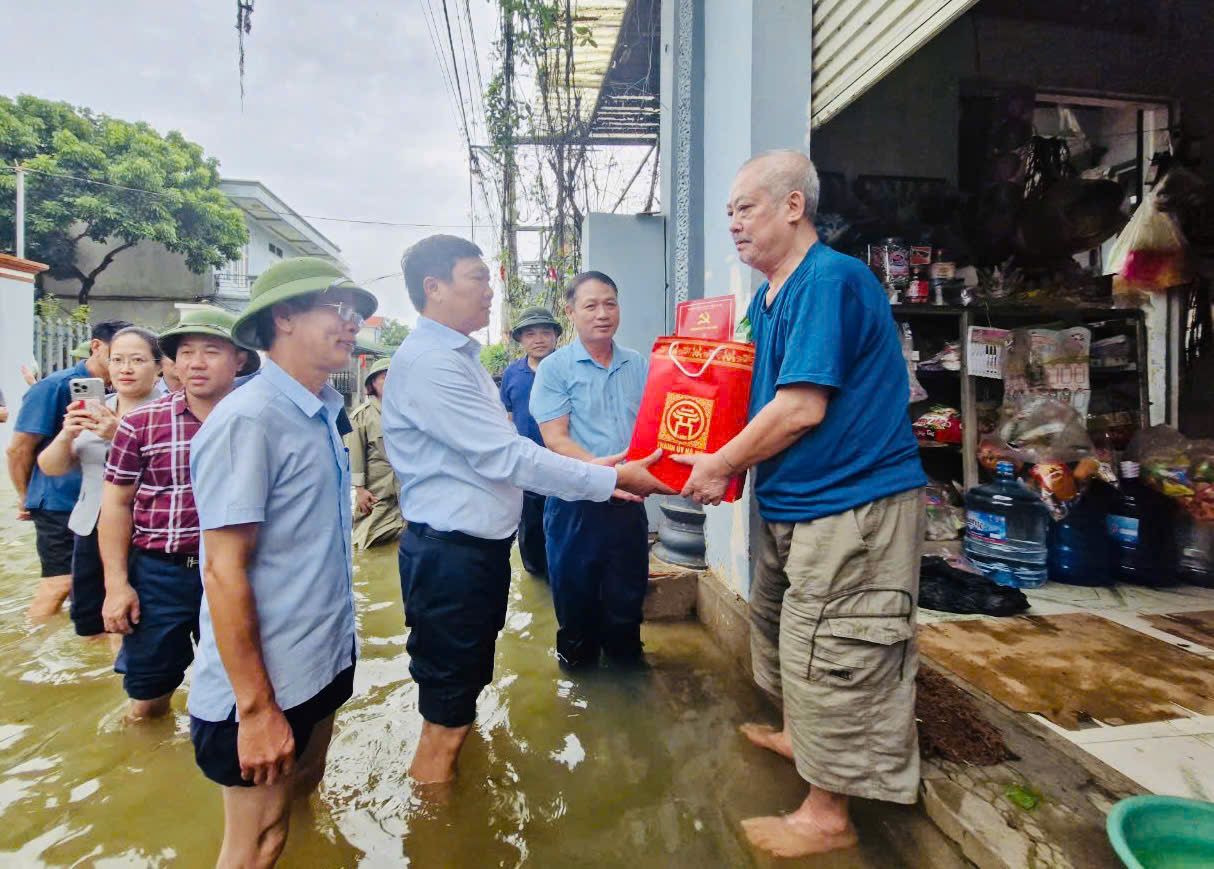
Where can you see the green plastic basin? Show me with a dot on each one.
(1152, 832)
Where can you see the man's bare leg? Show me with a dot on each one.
(437, 752)
(310, 768)
(255, 823)
(143, 710)
(52, 591)
(821, 824)
(766, 736)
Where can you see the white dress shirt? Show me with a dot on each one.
(460, 462)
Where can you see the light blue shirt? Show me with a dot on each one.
(460, 463)
(270, 454)
(601, 403)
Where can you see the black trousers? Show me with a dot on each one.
(598, 566)
(531, 535)
(454, 588)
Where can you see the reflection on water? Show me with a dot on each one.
(632, 769)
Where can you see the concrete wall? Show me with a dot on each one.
(756, 97)
(141, 284)
(16, 337)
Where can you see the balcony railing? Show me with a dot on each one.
(233, 284)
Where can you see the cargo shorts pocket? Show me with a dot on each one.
(860, 646)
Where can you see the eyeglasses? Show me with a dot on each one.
(347, 312)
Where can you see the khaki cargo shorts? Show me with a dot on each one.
(832, 612)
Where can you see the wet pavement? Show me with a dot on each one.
(640, 769)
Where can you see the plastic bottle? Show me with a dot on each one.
(1140, 530)
(1195, 552)
(1079, 547)
(1006, 526)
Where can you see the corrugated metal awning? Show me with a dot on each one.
(857, 42)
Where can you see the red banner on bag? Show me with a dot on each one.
(695, 401)
(707, 319)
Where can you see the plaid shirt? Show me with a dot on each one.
(151, 450)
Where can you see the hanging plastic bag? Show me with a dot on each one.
(1151, 253)
(917, 392)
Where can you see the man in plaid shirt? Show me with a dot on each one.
(148, 529)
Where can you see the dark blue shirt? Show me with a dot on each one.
(41, 414)
(830, 325)
(517, 380)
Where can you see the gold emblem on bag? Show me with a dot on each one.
(685, 423)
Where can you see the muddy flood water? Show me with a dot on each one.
(608, 769)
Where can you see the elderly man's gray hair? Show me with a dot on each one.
(785, 170)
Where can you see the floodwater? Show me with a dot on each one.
(637, 769)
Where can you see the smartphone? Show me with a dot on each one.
(84, 388)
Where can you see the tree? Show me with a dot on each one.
(393, 332)
(137, 185)
(495, 358)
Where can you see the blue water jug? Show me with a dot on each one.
(1140, 528)
(1079, 545)
(1006, 527)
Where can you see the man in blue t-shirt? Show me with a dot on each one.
(537, 331)
(837, 478)
(48, 501)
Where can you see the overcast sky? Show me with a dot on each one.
(345, 111)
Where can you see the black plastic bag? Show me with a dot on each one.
(947, 589)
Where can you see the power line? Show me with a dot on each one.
(355, 220)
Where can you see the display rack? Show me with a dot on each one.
(940, 321)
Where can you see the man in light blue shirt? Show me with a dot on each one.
(585, 399)
(272, 486)
(462, 469)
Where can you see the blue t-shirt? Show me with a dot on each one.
(830, 325)
(41, 414)
(516, 396)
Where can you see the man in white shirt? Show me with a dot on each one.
(463, 469)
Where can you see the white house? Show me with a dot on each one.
(147, 283)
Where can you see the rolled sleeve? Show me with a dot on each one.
(42, 408)
(817, 349)
(124, 462)
(440, 396)
(230, 472)
(550, 392)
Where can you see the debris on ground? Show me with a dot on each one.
(951, 727)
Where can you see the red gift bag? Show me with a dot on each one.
(695, 402)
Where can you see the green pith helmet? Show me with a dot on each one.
(376, 368)
(83, 350)
(535, 316)
(208, 320)
(290, 279)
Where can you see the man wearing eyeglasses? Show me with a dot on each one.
(272, 484)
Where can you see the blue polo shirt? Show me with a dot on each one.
(41, 414)
(602, 403)
(270, 454)
(830, 325)
(516, 396)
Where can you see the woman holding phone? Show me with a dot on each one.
(88, 428)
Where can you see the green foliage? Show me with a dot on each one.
(174, 197)
(393, 332)
(495, 358)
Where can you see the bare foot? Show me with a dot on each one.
(783, 836)
(49, 596)
(766, 736)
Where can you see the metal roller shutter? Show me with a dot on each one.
(856, 42)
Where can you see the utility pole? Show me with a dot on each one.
(20, 213)
(509, 169)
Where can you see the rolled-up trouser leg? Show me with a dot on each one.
(848, 654)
